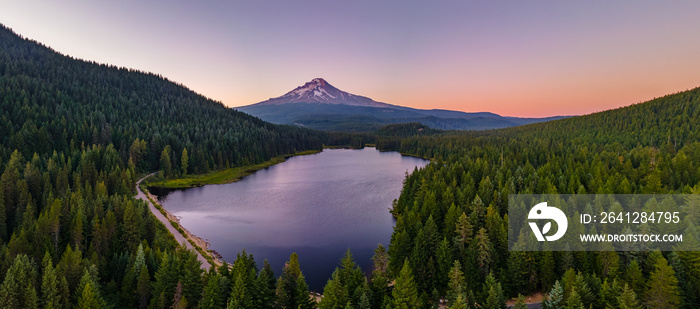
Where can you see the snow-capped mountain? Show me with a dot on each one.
(319, 105)
(319, 90)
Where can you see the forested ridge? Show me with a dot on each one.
(74, 138)
(75, 135)
(452, 215)
(53, 102)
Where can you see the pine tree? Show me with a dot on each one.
(405, 293)
(265, 287)
(165, 164)
(334, 293)
(212, 296)
(547, 270)
(143, 287)
(240, 299)
(365, 299)
(287, 285)
(457, 284)
(628, 299)
(464, 233)
(495, 299)
(304, 297)
(166, 280)
(89, 291)
(350, 275)
(458, 303)
(17, 291)
(50, 296)
(574, 301)
(662, 291)
(483, 251)
(609, 293)
(184, 161)
(634, 277)
(555, 298)
(445, 261)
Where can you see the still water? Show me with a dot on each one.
(317, 205)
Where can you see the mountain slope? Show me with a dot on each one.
(319, 105)
(53, 102)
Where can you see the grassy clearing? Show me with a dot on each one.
(225, 176)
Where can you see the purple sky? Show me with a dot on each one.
(516, 58)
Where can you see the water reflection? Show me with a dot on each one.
(317, 206)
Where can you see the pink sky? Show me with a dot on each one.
(514, 58)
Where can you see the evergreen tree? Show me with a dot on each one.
(18, 288)
(184, 161)
(350, 275)
(464, 233)
(291, 284)
(89, 292)
(634, 277)
(628, 299)
(405, 293)
(212, 296)
(495, 299)
(50, 295)
(555, 298)
(166, 281)
(165, 164)
(574, 301)
(265, 285)
(548, 270)
(304, 297)
(445, 261)
(483, 251)
(609, 293)
(239, 299)
(334, 293)
(143, 287)
(456, 286)
(662, 291)
(459, 303)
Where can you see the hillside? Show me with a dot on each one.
(319, 105)
(53, 102)
(456, 208)
(74, 137)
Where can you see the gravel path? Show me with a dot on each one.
(178, 237)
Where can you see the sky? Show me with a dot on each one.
(511, 57)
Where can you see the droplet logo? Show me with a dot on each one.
(542, 211)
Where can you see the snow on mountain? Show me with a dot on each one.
(319, 90)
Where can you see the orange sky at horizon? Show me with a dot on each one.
(513, 58)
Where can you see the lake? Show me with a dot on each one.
(317, 205)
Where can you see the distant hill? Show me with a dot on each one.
(319, 105)
(407, 130)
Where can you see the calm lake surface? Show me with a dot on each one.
(317, 205)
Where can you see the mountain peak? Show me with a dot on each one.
(318, 90)
(319, 81)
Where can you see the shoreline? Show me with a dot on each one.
(200, 244)
(229, 175)
(184, 239)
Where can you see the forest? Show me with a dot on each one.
(76, 135)
(452, 215)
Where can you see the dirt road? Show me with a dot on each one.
(178, 237)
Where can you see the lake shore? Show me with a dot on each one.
(225, 176)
